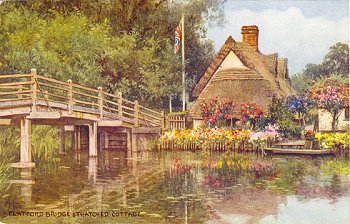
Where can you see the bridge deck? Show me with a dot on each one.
(27, 99)
(42, 98)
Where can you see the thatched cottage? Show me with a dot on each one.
(242, 74)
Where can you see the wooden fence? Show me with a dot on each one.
(215, 146)
(33, 87)
(176, 122)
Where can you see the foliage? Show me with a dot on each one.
(123, 46)
(280, 115)
(330, 94)
(61, 47)
(10, 143)
(216, 113)
(4, 176)
(300, 105)
(301, 82)
(44, 144)
(335, 62)
(339, 167)
(250, 113)
(334, 140)
(179, 113)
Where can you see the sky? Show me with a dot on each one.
(301, 31)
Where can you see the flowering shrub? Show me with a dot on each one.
(260, 138)
(279, 114)
(309, 132)
(216, 112)
(204, 137)
(300, 105)
(333, 140)
(331, 96)
(250, 113)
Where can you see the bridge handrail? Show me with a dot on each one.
(33, 86)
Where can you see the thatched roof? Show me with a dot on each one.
(257, 80)
(264, 65)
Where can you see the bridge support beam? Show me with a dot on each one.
(93, 140)
(77, 138)
(26, 145)
(106, 140)
(62, 140)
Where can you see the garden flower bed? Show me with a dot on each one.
(336, 140)
(218, 139)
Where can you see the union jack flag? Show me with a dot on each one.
(177, 38)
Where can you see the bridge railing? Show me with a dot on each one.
(15, 87)
(75, 97)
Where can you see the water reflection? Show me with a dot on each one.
(24, 184)
(92, 170)
(185, 187)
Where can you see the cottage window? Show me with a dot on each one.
(347, 113)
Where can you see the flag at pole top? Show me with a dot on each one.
(177, 38)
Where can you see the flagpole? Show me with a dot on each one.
(183, 62)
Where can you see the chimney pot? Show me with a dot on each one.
(250, 35)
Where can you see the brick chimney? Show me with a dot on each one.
(250, 35)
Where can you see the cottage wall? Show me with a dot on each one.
(231, 61)
(325, 121)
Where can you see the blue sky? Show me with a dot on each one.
(301, 31)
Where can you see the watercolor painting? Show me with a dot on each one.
(174, 111)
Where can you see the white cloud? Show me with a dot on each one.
(289, 33)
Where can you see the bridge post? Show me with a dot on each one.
(26, 147)
(129, 140)
(77, 143)
(120, 105)
(62, 140)
(93, 140)
(106, 140)
(77, 140)
(33, 88)
(100, 101)
(136, 113)
(70, 97)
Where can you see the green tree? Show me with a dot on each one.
(336, 61)
(62, 47)
(123, 45)
(279, 113)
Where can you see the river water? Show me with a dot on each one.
(181, 187)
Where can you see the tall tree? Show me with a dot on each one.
(124, 45)
(336, 61)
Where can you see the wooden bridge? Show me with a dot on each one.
(27, 99)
